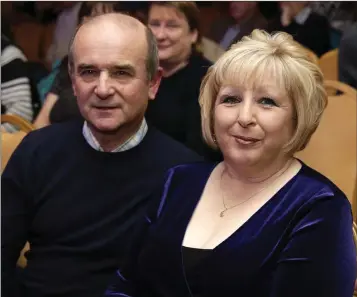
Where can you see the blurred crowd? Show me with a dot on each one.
(42, 76)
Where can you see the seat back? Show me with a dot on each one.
(332, 148)
(328, 63)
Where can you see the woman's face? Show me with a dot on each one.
(172, 32)
(253, 123)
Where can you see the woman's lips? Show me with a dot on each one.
(246, 140)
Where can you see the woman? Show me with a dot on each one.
(60, 104)
(260, 223)
(175, 110)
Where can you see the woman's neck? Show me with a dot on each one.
(257, 174)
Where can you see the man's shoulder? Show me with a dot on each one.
(56, 133)
(168, 148)
(316, 19)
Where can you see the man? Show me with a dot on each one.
(347, 62)
(74, 190)
(245, 17)
(307, 27)
(66, 24)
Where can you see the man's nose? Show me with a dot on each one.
(104, 88)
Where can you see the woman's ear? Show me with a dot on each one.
(194, 36)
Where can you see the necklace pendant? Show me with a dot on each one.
(222, 213)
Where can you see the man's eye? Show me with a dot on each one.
(120, 73)
(88, 73)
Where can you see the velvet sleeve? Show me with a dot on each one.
(15, 213)
(126, 281)
(320, 258)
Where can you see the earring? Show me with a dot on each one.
(214, 138)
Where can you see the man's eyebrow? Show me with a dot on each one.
(81, 67)
(124, 66)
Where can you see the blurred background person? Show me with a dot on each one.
(347, 61)
(16, 97)
(175, 110)
(245, 16)
(307, 27)
(340, 14)
(66, 24)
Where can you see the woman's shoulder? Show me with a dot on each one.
(199, 63)
(188, 175)
(313, 187)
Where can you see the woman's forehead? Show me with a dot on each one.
(254, 80)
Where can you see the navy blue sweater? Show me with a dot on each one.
(77, 207)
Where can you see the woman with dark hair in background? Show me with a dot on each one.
(175, 110)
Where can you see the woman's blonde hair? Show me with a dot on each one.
(286, 61)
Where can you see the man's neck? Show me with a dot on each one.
(109, 141)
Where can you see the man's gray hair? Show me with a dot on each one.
(152, 59)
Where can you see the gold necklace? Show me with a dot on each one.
(250, 197)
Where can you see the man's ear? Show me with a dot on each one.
(154, 84)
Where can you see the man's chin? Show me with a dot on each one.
(106, 128)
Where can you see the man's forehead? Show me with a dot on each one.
(106, 32)
(97, 48)
(112, 21)
(109, 37)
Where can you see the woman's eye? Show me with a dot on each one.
(230, 100)
(268, 102)
(154, 24)
(173, 25)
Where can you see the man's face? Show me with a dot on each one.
(109, 76)
(241, 10)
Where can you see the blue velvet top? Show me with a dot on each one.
(299, 244)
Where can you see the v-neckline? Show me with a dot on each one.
(200, 191)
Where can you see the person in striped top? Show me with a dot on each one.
(15, 83)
